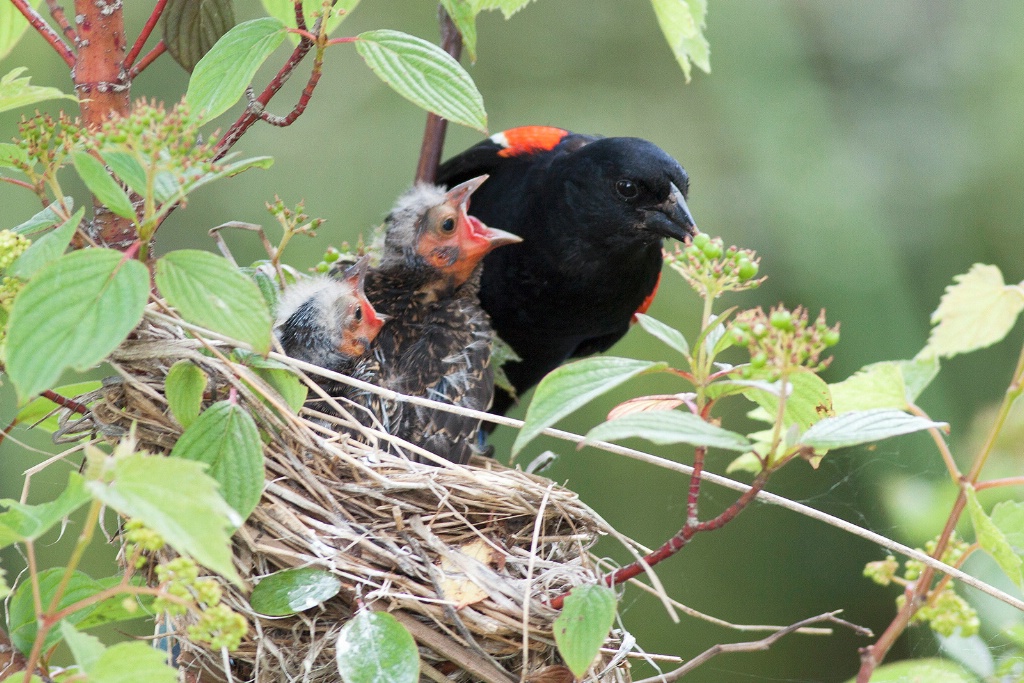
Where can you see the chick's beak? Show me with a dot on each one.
(672, 218)
(460, 194)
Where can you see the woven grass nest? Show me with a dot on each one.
(396, 533)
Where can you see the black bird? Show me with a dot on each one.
(592, 213)
(437, 342)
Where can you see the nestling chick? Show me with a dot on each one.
(437, 343)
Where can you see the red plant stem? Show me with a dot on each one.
(19, 183)
(42, 28)
(147, 59)
(433, 134)
(996, 483)
(65, 402)
(307, 94)
(252, 113)
(147, 30)
(57, 12)
(693, 496)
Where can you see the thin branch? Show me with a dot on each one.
(753, 646)
(147, 59)
(300, 106)
(37, 22)
(65, 402)
(433, 134)
(147, 30)
(57, 12)
(996, 483)
(940, 443)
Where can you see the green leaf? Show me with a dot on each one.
(192, 27)
(808, 401)
(293, 590)
(918, 373)
(279, 376)
(94, 174)
(47, 248)
(1009, 517)
(425, 75)
(227, 171)
(22, 614)
(993, 540)
(671, 336)
(373, 647)
(12, 26)
(932, 670)
(682, 23)
(669, 427)
(127, 167)
(10, 152)
(583, 625)
(463, 14)
(198, 525)
(72, 314)
(879, 385)
(573, 385)
(39, 408)
(222, 75)
(84, 648)
(226, 438)
(978, 311)
(115, 609)
(864, 426)
(44, 219)
(16, 92)
(284, 11)
(210, 292)
(184, 389)
(131, 663)
(507, 7)
(28, 522)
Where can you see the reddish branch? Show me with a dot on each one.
(65, 402)
(147, 59)
(300, 106)
(57, 12)
(37, 22)
(147, 30)
(433, 135)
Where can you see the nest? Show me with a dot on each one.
(465, 557)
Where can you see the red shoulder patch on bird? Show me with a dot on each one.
(527, 139)
(649, 300)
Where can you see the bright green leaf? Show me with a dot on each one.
(184, 388)
(94, 174)
(84, 648)
(293, 590)
(932, 670)
(44, 219)
(864, 426)
(22, 614)
(671, 336)
(808, 400)
(993, 540)
(12, 26)
(425, 75)
(226, 438)
(128, 169)
(583, 625)
(879, 385)
(222, 75)
(72, 314)
(978, 311)
(373, 647)
(10, 152)
(463, 15)
(16, 92)
(669, 427)
(1009, 517)
(149, 488)
(574, 385)
(210, 292)
(131, 663)
(284, 11)
(28, 522)
(682, 23)
(46, 249)
(280, 377)
(226, 171)
(918, 374)
(39, 408)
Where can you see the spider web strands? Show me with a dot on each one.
(719, 480)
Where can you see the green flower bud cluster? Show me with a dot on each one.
(218, 625)
(882, 572)
(712, 269)
(47, 141)
(782, 340)
(945, 612)
(140, 540)
(12, 245)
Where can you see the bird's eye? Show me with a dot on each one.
(627, 189)
(448, 226)
(358, 314)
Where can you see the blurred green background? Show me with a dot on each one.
(868, 150)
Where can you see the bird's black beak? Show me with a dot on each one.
(671, 218)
